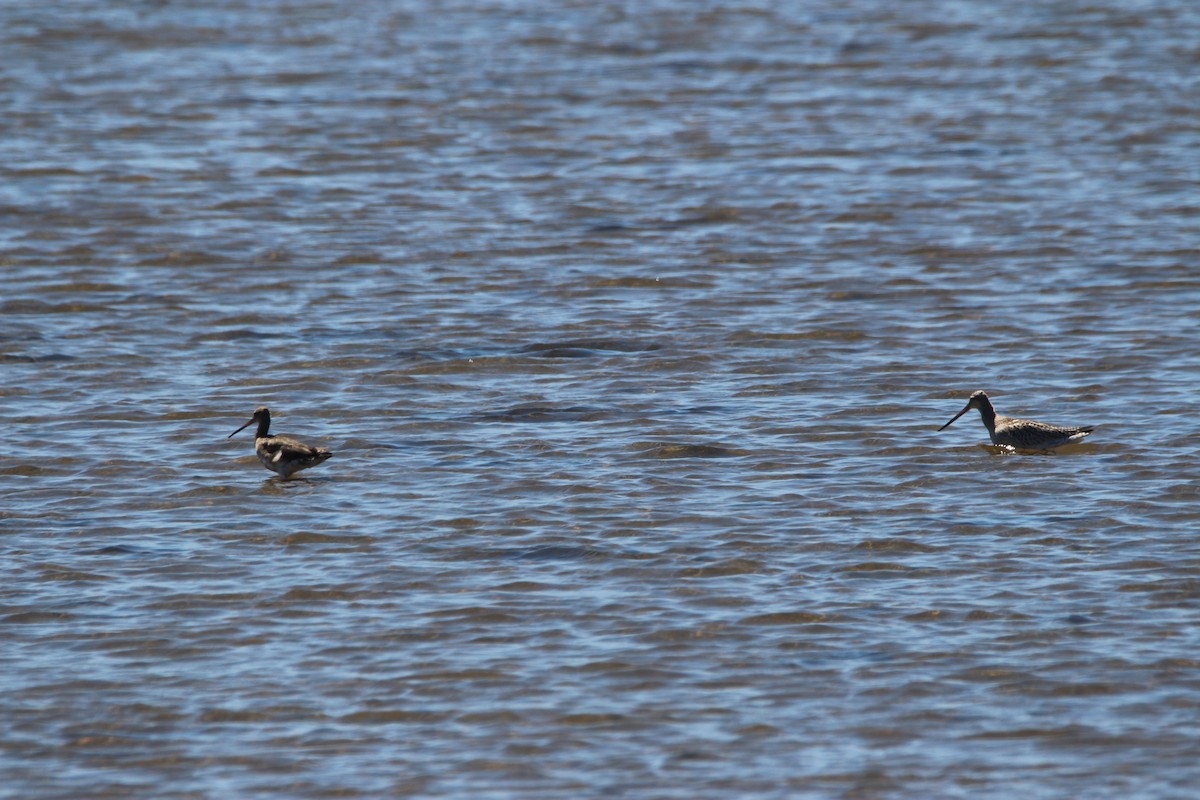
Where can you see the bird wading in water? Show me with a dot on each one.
(282, 455)
(1022, 434)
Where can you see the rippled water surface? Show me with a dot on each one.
(632, 326)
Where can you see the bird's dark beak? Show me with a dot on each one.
(251, 422)
(948, 424)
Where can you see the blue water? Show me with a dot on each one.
(631, 328)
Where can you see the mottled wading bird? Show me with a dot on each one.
(281, 454)
(1022, 434)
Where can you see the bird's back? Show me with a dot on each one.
(285, 455)
(1028, 434)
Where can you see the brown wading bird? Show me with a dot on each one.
(281, 454)
(1022, 434)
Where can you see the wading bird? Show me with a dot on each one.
(281, 454)
(1023, 434)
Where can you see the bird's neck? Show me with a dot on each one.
(989, 417)
(264, 425)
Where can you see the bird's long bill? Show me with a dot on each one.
(956, 416)
(251, 422)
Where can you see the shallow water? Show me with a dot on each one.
(632, 327)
